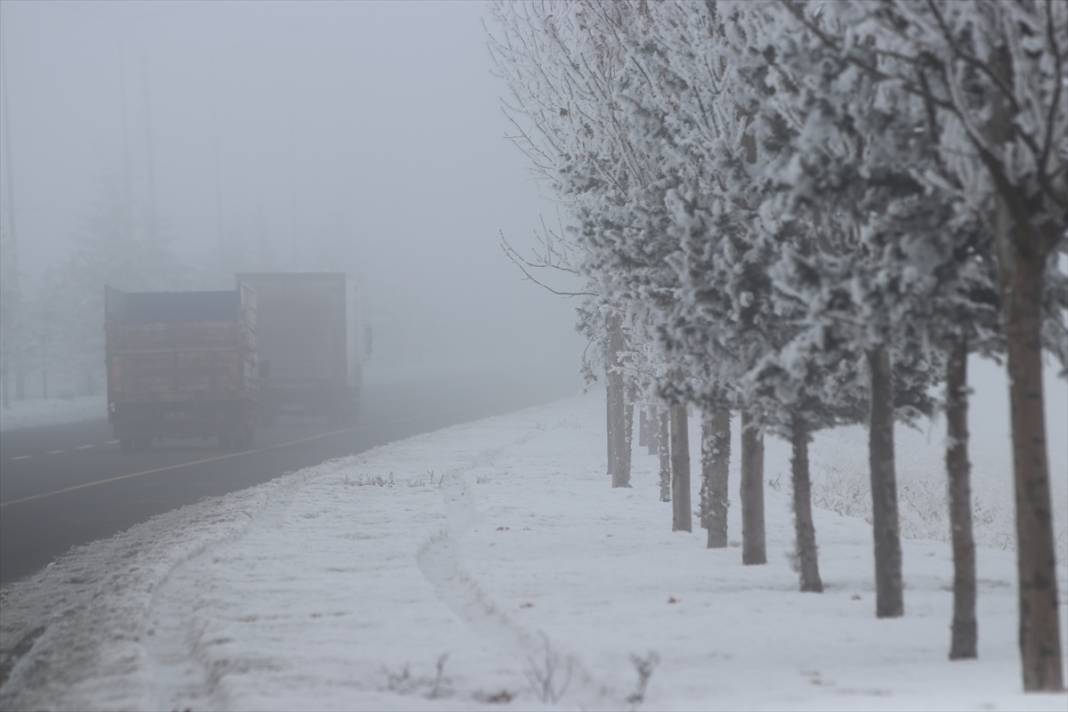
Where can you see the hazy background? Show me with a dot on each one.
(357, 136)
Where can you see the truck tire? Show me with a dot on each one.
(135, 442)
(240, 438)
(344, 413)
(268, 416)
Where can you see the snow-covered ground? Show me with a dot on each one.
(500, 545)
(36, 412)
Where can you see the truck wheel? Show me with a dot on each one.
(134, 442)
(344, 414)
(268, 417)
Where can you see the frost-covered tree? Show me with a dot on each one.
(560, 72)
(992, 77)
(684, 218)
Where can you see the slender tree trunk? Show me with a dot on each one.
(664, 451)
(804, 529)
(654, 426)
(628, 440)
(680, 471)
(609, 434)
(964, 629)
(704, 497)
(617, 423)
(754, 545)
(715, 466)
(1022, 274)
(645, 435)
(889, 597)
(1040, 642)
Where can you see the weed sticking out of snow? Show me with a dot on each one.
(549, 672)
(644, 666)
(370, 481)
(432, 687)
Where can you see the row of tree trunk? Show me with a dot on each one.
(665, 432)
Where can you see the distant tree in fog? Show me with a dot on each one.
(553, 106)
(112, 250)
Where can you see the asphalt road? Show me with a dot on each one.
(65, 485)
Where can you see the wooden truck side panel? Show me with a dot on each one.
(180, 363)
(304, 334)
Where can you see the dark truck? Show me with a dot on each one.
(311, 345)
(181, 364)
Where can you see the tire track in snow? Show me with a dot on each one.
(441, 564)
(97, 608)
(178, 672)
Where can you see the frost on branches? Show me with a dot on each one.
(810, 213)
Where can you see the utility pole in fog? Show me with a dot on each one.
(150, 152)
(124, 124)
(220, 239)
(12, 351)
(294, 238)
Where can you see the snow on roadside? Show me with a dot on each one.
(499, 545)
(51, 411)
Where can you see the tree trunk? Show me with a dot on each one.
(704, 496)
(680, 471)
(618, 466)
(654, 425)
(1040, 643)
(628, 440)
(715, 466)
(1022, 274)
(804, 529)
(964, 629)
(889, 597)
(754, 545)
(608, 424)
(644, 435)
(664, 450)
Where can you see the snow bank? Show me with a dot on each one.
(51, 411)
(491, 563)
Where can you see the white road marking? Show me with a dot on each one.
(85, 447)
(180, 465)
(22, 457)
(55, 452)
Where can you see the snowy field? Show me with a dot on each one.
(51, 411)
(498, 551)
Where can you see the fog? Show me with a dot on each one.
(361, 136)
